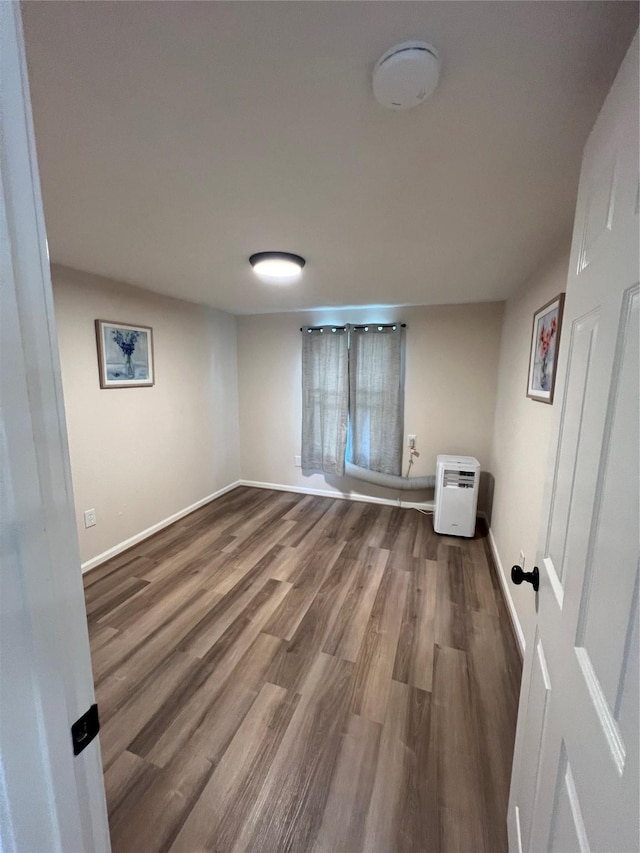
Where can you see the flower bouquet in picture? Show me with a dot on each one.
(127, 343)
(545, 340)
(125, 355)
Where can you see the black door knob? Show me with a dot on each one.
(517, 576)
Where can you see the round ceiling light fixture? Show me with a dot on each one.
(277, 266)
(406, 75)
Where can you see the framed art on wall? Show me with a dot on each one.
(545, 340)
(125, 355)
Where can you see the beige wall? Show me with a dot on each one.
(521, 436)
(451, 372)
(139, 455)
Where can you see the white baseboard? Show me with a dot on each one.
(144, 534)
(517, 627)
(279, 487)
(340, 496)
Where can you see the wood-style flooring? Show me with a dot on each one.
(278, 672)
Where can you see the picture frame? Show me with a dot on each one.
(545, 343)
(125, 355)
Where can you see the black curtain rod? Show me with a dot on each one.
(362, 326)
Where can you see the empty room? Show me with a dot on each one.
(320, 426)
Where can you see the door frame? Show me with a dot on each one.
(49, 798)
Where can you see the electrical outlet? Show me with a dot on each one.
(297, 461)
(411, 441)
(522, 559)
(90, 517)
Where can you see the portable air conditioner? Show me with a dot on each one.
(456, 498)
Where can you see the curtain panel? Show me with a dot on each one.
(376, 399)
(325, 393)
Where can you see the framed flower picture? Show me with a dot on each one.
(125, 355)
(545, 340)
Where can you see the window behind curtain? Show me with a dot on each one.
(325, 392)
(376, 399)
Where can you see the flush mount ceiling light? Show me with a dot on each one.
(406, 75)
(277, 266)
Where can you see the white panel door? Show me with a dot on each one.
(575, 775)
(50, 800)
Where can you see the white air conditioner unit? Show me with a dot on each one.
(456, 498)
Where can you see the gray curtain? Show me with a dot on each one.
(376, 399)
(325, 391)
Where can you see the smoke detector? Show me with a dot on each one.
(406, 75)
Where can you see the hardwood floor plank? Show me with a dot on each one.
(287, 563)
(197, 555)
(347, 633)
(401, 561)
(151, 819)
(346, 530)
(241, 651)
(494, 682)
(374, 536)
(288, 811)
(254, 547)
(115, 596)
(304, 504)
(450, 625)
(210, 718)
(367, 521)
(374, 666)
(404, 540)
(121, 566)
(219, 815)
(249, 530)
(242, 568)
(414, 657)
(179, 545)
(425, 545)
(381, 827)
(129, 776)
(293, 661)
(160, 597)
(134, 568)
(345, 813)
(393, 529)
(229, 608)
(331, 522)
(418, 813)
(315, 538)
(306, 522)
(99, 635)
(458, 768)
(133, 654)
(478, 575)
(134, 716)
(327, 521)
(312, 558)
(288, 616)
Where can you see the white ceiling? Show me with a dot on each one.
(176, 139)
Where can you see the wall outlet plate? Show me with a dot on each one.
(411, 440)
(522, 559)
(297, 461)
(89, 518)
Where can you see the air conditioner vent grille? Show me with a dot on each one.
(458, 479)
